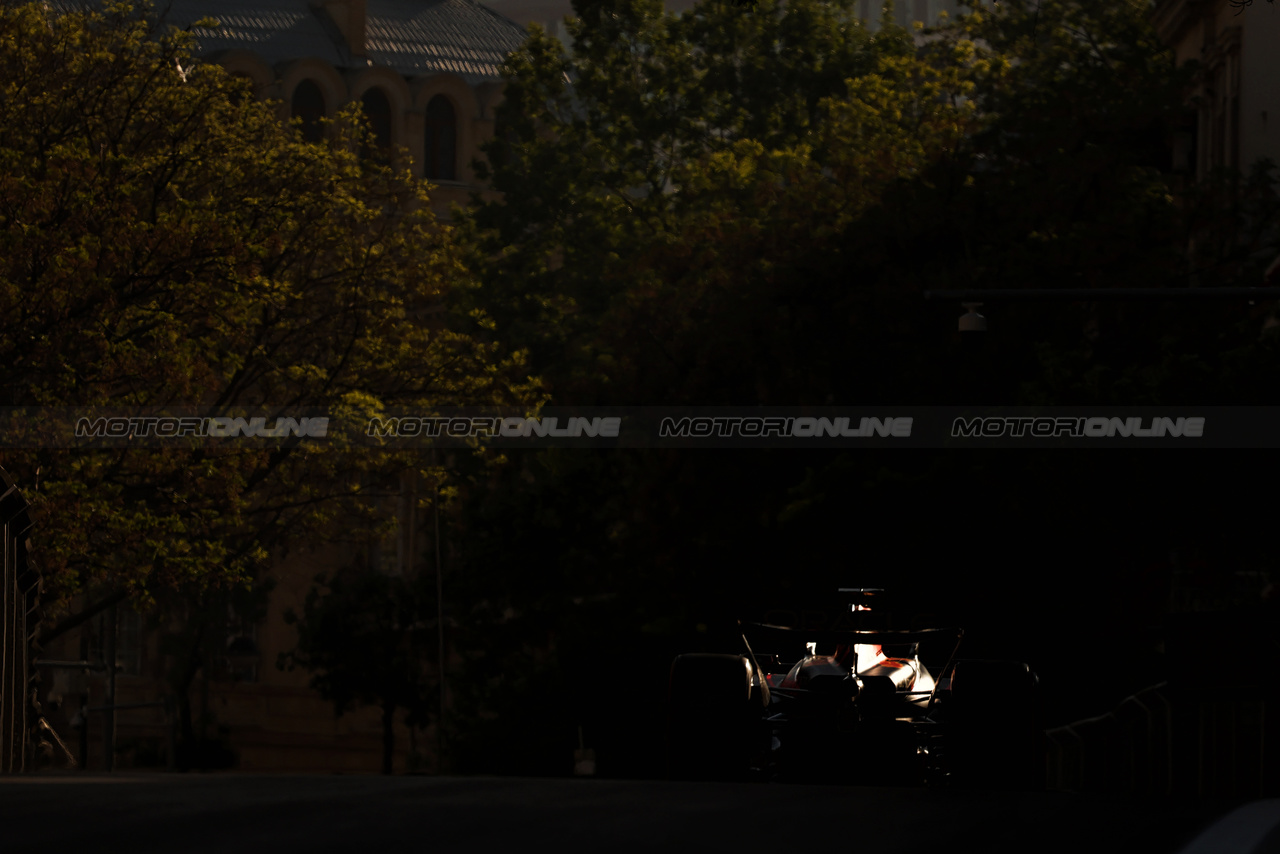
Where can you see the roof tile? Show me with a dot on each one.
(414, 37)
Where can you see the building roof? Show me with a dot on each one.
(550, 12)
(413, 37)
(460, 36)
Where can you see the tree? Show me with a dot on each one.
(694, 209)
(611, 157)
(165, 242)
(1076, 191)
(366, 638)
(195, 628)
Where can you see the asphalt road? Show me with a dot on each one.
(243, 813)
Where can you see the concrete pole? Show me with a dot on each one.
(171, 725)
(109, 714)
(435, 509)
(206, 667)
(84, 731)
(411, 524)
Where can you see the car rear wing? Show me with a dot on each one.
(767, 631)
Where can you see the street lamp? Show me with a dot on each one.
(972, 321)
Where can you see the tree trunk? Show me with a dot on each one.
(182, 681)
(388, 735)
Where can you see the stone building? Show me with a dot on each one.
(1237, 120)
(425, 71)
(550, 14)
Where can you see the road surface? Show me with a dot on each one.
(237, 813)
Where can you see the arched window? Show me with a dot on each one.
(308, 105)
(378, 110)
(440, 161)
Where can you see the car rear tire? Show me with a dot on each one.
(714, 718)
(995, 738)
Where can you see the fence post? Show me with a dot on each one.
(109, 719)
(8, 591)
(171, 719)
(84, 732)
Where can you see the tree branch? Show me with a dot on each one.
(74, 620)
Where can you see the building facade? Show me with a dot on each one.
(426, 72)
(1235, 120)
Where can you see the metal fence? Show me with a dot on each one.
(19, 601)
(1169, 741)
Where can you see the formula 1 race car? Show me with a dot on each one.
(854, 704)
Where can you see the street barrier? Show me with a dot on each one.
(19, 603)
(1164, 741)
